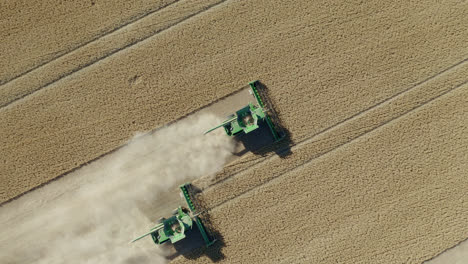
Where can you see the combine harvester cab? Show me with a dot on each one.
(247, 119)
(174, 228)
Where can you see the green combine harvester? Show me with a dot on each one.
(246, 119)
(175, 227)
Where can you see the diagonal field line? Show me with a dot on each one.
(238, 90)
(388, 99)
(114, 51)
(309, 139)
(131, 21)
(446, 250)
(295, 145)
(337, 147)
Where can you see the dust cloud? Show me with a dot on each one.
(95, 222)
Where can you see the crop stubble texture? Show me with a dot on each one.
(323, 61)
(84, 55)
(237, 180)
(36, 32)
(320, 64)
(395, 195)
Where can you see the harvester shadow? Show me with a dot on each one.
(261, 141)
(193, 247)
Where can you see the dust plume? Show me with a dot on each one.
(94, 222)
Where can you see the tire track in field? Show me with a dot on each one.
(132, 20)
(256, 161)
(120, 147)
(339, 135)
(21, 87)
(286, 172)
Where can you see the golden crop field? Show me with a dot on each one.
(374, 96)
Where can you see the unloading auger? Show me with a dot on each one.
(246, 119)
(174, 228)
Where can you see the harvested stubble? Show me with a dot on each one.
(397, 194)
(107, 44)
(323, 61)
(37, 32)
(320, 59)
(260, 171)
